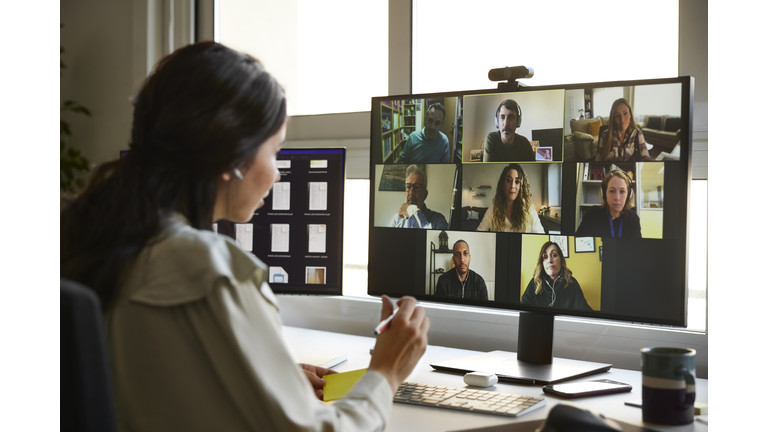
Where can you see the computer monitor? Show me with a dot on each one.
(589, 182)
(298, 232)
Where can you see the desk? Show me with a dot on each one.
(410, 417)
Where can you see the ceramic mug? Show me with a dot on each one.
(669, 385)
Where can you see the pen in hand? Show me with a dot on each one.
(384, 324)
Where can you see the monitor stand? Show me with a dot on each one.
(533, 363)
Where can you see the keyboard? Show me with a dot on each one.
(468, 399)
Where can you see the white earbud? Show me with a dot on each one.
(237, 174)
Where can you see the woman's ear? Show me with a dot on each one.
(226, 176)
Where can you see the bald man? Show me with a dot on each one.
(460, 281)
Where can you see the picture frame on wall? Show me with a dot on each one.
(584, 244)
(561, 241)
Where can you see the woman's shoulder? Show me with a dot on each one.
(594, 212)
(631, 215)
(184, 263)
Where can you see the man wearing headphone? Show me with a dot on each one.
(428, 145)
(504, 145)
(614, 217)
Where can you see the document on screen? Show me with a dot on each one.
(318, 195)
(281, 196)
(316, 238)
(280, 236)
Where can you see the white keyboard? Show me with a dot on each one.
(467, 399)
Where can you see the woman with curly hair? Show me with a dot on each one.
(512, 210)
(553, 284)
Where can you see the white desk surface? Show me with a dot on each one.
(405, 417)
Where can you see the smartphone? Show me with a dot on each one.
(586, 388)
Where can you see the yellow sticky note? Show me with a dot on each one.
(338, 385)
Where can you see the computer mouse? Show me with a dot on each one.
(568, 418)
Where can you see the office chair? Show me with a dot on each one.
(87, 401)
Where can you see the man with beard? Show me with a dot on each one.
(428, 145)
(460, 281)
(414, 213)
(505, 145)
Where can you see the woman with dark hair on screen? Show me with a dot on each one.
(614, 217)
(553, 284)
(623, 140)
(512, 209)
(194, 330)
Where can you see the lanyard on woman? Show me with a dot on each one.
(621, 225)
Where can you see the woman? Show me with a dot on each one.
(553, 284)
(623, 140)
(512, 210)
(614, 217)
(193, 328)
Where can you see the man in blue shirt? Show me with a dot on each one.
(414, 213)
(428, 145)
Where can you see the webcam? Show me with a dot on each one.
(510, 73)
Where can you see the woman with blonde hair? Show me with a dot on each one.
(614, 217)
(553, 284)
(512, 209)
(623, 141)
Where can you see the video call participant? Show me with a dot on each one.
(553, 284)
(428, 145)
(460, 281)
(614, 217)
(512, 210)
(623, 140)
(505, 145)
(193, 328)
(414, 213)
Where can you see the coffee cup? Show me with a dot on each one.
(669, 385)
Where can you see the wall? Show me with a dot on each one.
(656, 100)
(99, 74)
(651, 222)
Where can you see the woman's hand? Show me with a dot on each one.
(402, 344)
(315, 376)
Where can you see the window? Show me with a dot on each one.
(330, 56)
(564, 41)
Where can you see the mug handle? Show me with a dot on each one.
(689, 381)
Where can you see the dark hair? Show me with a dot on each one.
(437, 106)
(511, 105)
(204, 110)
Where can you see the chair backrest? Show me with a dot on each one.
(87, 401)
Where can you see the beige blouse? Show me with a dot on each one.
(196, 345)
(532, 222)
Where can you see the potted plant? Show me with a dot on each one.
(73, 163)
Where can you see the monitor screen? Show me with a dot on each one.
(561, 200)
(298, 231)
